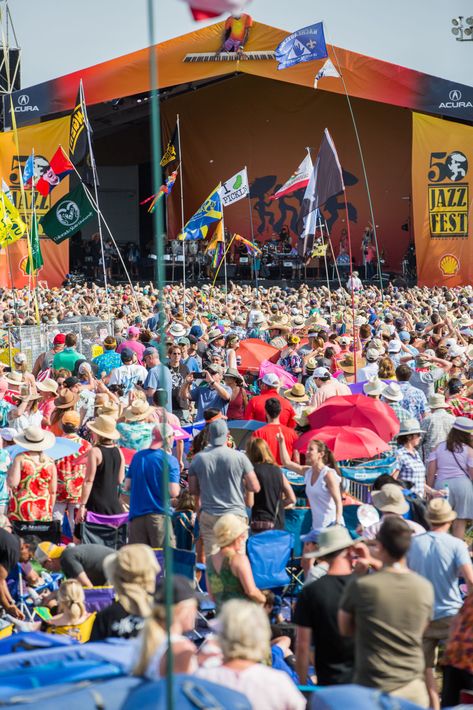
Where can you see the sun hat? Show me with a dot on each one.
(48, 551)
(14, 378)
(33, 438)
(439, 511)
(71, 417)
(311, 365)
(348, 363)
(150, 351)
(104, 426)
(359, 320)
(372, 354)
(26, 393)
(271, 379)
(177, 330)
(404, 336)
(437, 401)
(214, 334)
(390, 499)
(332, 539)
(218, 432)
(297, 393)
(258, 319)
(137, 411)
(215, 369)
(394, 346)
(231, 372)
(132, 572)
(321, 373)
(280, 322)
(47, 385)
(20, 358)
(463, 424)
(298, 322)
(228, 528)
(66, 399)
(374, 387)
(410, 426)
(393, 392)
(456, 351)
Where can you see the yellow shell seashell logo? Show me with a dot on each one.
(449, 265)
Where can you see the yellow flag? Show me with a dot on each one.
(319, 250)
(217, 237)
(12, 226)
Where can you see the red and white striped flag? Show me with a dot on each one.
(205, 9)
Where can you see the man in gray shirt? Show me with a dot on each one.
(220, 476)
(429, 369)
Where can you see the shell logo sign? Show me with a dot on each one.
(449, 265)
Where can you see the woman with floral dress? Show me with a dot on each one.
(32, 478)
(71, 469)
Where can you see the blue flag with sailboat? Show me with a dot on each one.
(304, 45)
(210, 211)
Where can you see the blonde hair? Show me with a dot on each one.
(244, 631)
(71, 598)
(258, 451)
(386, 369)
(152, 636)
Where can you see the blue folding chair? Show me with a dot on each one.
(269, 553)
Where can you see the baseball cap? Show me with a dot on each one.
(182, 590)
(148, 351)
(183, 341)
(270, 379)
(215, 369)
(71, 417)
(127, 355)
(372, 354)
(196, 331)
(394, 346)
(8, 433)
(404, 336)
(59, 339)
(48, 551)
(321, 372)
(218, 432)
(133, 330)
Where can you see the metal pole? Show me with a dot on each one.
(224, 258)
(178, 121)
(326, 271)
(252, 229)
(333, 255)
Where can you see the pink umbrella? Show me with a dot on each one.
(357, 410)
(345, 442)
(285, 378)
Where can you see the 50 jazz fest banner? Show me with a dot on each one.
(44, 138)
(442, 186)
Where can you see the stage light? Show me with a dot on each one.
(462, 28)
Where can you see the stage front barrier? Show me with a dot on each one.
(35, 339)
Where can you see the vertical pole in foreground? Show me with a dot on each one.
(351, 282)
(252, 228)
(225, 250)
(158, 240)
(178, 121)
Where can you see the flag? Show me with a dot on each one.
(163, 190)
(206, 9)
(328, 69)
(216, 238)
(172, 151)
(59, 167)
(12, 226)
(235, 188)
(210, 211)
(28, 171)
(325, 181)
(319, 250)
(78, 139)
(304, 45)
(252, 248)
(6, 190)
(36, 261)
(297, 180)
(68, 215)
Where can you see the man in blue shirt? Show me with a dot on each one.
(442, 559)
(109, 359)
(145, 483)
(158, 377)
(211, 394)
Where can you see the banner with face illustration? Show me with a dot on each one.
(442, 165)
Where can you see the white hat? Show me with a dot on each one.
(394, 346)
(20, 358)
(34, 438)
(450, 342)
(393, 392)
(456, 351)
(463, 424)
(374, 387)
(410, 426)
(437, 401)
(372, 354)
(271, 379)
(177, 330)
(332, 539)
(321, 372)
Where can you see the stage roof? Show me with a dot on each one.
(364, 77)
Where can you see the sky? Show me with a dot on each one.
(61, 36)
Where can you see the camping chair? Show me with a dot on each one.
(109, 530)
(97, 598)
(269, 553)
(49, 530)
(24, 599)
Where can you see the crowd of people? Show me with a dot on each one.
(160, 405)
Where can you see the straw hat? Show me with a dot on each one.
(137, 411)
(14, 378)
(439, 512)
(311, 364)
(259, 319)
(298, 322)
(437, 401)
(104, 426)
(348, 363)
(390, 499)
(297, 393)
(393, 392)
(33, 438)
(26, 393)
(280, 322)
(71, 417)
(47, 385)
(332, 539)
(215, 334)
(66, 400)
(374, 387)
(109, 408)
(228, 528)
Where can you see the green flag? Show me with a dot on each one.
(68, 215)
(36, 256)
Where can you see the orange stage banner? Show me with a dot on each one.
(442, 168)
(44, 138)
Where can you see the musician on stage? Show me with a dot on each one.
(237, 29)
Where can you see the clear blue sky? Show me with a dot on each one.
(60, 36)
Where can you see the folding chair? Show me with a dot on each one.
(44, 530)
(109, 530)
(24, 599)
(269, 553)
(97, 598)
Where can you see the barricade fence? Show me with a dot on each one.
(32, 340)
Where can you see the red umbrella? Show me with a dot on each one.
(252, 352)
(357, 410)
(345, 442)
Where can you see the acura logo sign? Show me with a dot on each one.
(23, 100)
(455, 96)
(23, 104)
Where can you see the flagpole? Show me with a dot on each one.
(178, 122)
(351, 281)
(333, 254)
(326, 269)
(252, 229)
(222, 259)
(225, 256)
(99, 217)
(365, 174)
